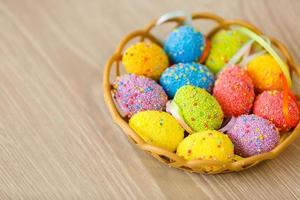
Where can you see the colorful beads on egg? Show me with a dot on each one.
(234, 91)
(134, 93)
(269, 105)
(207, 145)
(157, 128)
(182, 74)
(145, 58)
(199, 109)
(252, 135)
(224, 45)
(184, 44)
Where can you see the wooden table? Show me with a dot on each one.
(57, 139)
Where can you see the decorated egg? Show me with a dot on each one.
(252, 135)
(133, 93)
(182, 74)
(234, 91)
(224, 45)
(184, 44)
(265, 73)
(157, 128)
(196, 109)
(145, 58)
(207, 145)
(269, 105)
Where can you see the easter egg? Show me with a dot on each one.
(182, 74)
(133, 93)
(184, 44)
(145, 58)
(198, 109)
(265, 73)
(234, 91)
(224, 45)
(269, 105)
(252, 135)
(207, 145)
(157, 128)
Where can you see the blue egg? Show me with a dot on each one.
(182, 74)
(184, 44)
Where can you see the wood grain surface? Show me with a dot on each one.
(57, 139)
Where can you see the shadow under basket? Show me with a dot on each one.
(112, 69)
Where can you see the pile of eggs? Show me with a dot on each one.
(180, 97)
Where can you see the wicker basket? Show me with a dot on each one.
(168, 157)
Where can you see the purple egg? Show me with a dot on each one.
(252, 135)
(133, 93)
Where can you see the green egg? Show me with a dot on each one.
(198, 108)
(224, 45)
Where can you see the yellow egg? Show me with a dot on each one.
(265, 73)
(145, 58)
(157, 128)
(207, 145)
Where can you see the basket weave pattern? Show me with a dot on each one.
(168, 157)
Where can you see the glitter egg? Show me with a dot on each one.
(234, 91)
(224, 45)
(269, 105)
(198, 109)
(252, 135)
(157, 128)
(133, 93)
(265, 73)
(182, 74)
(145, 58)
(184, 44)
(207, 145)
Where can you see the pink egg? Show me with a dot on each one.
(234, 91)
(269, 106)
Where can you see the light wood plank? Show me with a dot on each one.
(57, 140)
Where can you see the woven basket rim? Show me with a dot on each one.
(171, 158)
